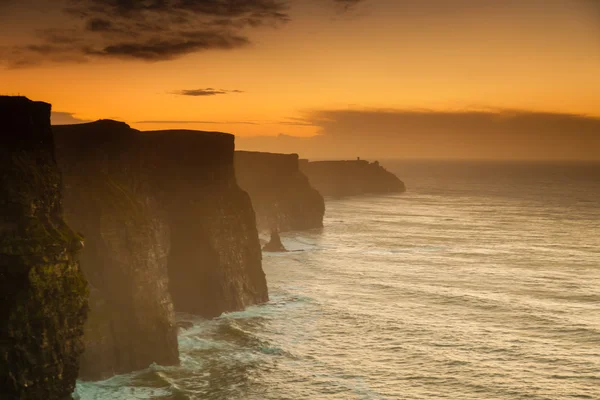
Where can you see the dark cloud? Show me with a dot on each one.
(99, 25)
(347, 4)
(156, 49)
(148, 30)
(204, 92)
(490, 134)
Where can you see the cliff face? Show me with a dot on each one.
(215, 261)
(43, 294)
(163, 211)
(108, 198)
(281, 194)
(349, 178)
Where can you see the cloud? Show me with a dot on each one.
(347, 4)
(204, 92)
(484, 134)
(66, 118)
(177, 122)
(149, 30)
(146, 30)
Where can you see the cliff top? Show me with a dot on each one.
(104, 123)
(6, 100)
(112, 124)
(106, 131)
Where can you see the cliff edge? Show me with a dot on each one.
(43, 294)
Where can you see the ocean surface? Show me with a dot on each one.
(482, 281)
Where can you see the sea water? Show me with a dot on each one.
(482, 281)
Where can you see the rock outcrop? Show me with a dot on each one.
(349, 178)
(43, 294)
(281, 194)
(215, 261)
(275, 245)
(109, 199)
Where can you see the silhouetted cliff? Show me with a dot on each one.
(163, 198)
(215, 261)
(43, 294)
(348, 178)
(281, 194)
(109, 199)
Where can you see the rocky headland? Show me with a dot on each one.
(350, 178)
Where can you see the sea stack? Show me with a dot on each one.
(43, 301)
(275, 245)
(108, 197)
(351, 178)
(281, 194)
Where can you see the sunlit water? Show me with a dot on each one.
(480, 282)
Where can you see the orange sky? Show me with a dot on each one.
(533, 55)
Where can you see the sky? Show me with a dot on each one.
(406, 78)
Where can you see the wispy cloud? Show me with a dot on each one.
(66, 118)
(347, 4)
(204, 92)
(176, 122)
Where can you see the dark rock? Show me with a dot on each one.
(108, 197)
(281, 194)
(350, 178)
(275, 245)
(43, 294)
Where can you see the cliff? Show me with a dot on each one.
(109, 199)
(43, 294)
(167, 216)
(215, 261)
(349, 178)
(281, 194)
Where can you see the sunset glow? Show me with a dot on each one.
(531, 55)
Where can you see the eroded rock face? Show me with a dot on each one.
(281, 194)
(43, 294)
(109, 200)
(350, 178)
(215, 261)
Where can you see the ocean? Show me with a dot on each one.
(482, 281)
